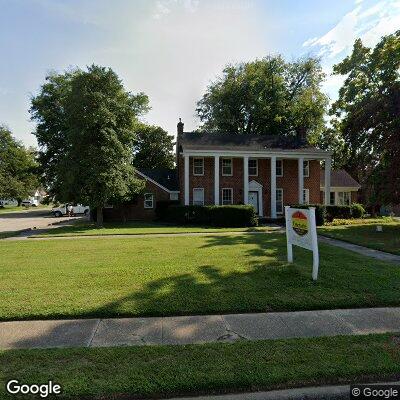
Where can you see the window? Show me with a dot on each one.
(227, 167)
(344, 198)
(306, 168)
(253, 167)
(174, 196)
(148, 200)
(279, 201)
(198, 197)
(198, 166)
(306, 196)
(332, 198)
(227, 196)
(279, 167)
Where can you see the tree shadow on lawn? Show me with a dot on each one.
(266, 282)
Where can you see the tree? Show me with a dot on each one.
(268, 96)
(18, 174)
(85, 121)
(367, 116)
(153, 147)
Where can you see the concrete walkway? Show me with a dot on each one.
(365, 251)
(196, 329)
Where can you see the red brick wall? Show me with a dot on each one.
(289, 181)
(135, 210)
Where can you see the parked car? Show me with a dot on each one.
(76, 209)
(29, 203)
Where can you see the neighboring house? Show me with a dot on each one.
(344, 189)
(161, 185)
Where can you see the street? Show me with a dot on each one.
(30, 219)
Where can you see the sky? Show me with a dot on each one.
(172, 49)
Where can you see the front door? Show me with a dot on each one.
(253, 200)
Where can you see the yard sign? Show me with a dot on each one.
(301, 230)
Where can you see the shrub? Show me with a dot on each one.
(357, 210)
(162, 206)
(222, 216)
(338, 212)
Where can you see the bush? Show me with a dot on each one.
(162, 206)
(338, 212)
(357, 210)
(320, 212)
(221, 216)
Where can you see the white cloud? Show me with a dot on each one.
(367, 23)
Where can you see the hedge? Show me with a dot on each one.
(221, 216)
(325, 214)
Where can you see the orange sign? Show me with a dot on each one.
(299, 223)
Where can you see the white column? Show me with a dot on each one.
(245, 180)
(327, 180)
(186, 187)
(301, 179)
(273, 187)
(216, 180)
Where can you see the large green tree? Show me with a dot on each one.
(267, 96)
(153, 147)
(367, 117)
(18, 168)
(85, 120)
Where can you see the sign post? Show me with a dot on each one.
(301, 230)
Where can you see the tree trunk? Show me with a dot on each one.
(99, 217)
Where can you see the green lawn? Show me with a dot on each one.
(138, 228)
(366, 235)
(160, 371)
(183, 275)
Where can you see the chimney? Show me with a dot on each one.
(180, 127)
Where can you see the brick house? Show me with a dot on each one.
(267, 172)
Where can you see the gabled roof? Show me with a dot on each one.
(236, 142)
(340, 178)
(164, 177)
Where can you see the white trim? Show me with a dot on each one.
(216, 180)
(222, 166)
(308, 169)
(311, 155)
(327, 177)
(273, 187)
(252, 159)
(283, 204)
(156, 183)
(222, 196)
(281, 175)
(186, 181)
(306, 198)
(300, 172)
(245, 180)
(152, 200)
(197, 188)
(255, 186)
(342, 188)
(198, 158)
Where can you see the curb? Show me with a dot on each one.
(337, 392)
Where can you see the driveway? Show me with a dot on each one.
(15, 221)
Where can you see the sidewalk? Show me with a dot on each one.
(196, 329)
(365, 251)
